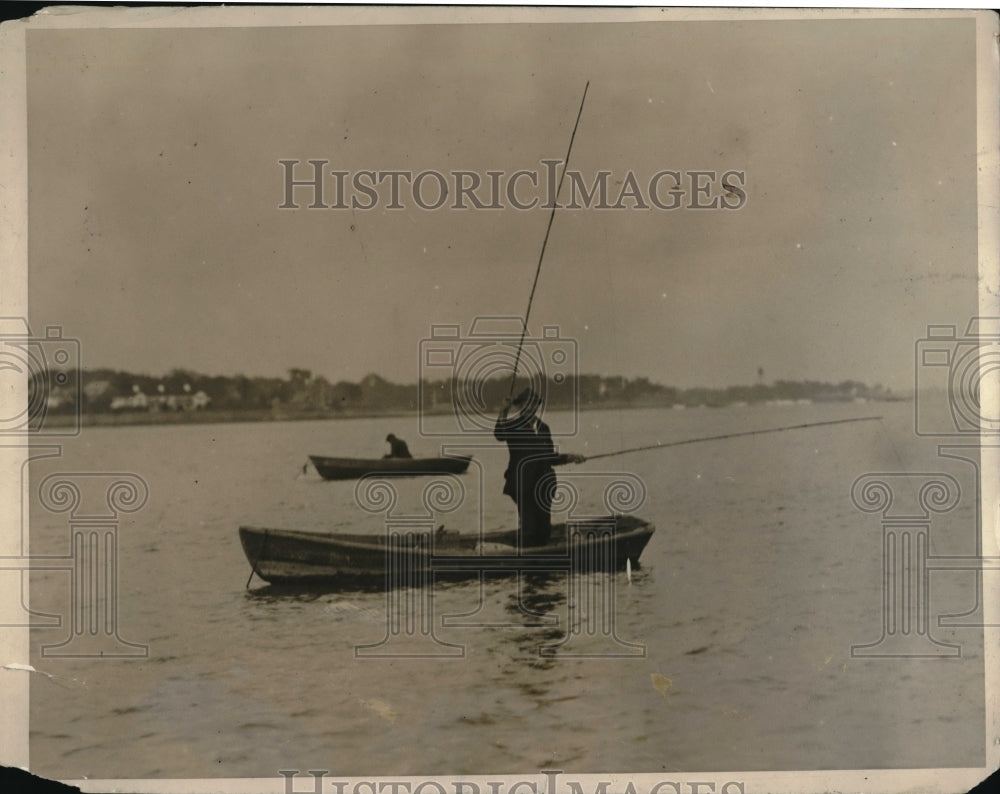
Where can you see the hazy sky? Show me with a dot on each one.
(156, 238)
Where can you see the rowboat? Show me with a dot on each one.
(355, 468)
(283, 556)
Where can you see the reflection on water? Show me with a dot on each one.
(539, 595)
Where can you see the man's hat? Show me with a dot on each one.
(527, 397)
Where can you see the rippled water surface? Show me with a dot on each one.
(733, 637)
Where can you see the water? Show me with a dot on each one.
(760, 577)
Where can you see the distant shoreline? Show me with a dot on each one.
(136, 418)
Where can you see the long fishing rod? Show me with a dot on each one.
(545, 242)
(731, 435)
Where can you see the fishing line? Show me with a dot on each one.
(733, 435)
(545, 242)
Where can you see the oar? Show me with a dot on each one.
(255, 560)
(545, 242)
(731, 435)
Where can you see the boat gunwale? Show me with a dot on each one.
(333, 461)
(377, 542)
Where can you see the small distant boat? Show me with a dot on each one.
(355, 468)
(287, 556)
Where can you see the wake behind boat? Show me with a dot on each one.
(355, 468)
(283, 556)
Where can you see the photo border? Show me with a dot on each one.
(14, 642)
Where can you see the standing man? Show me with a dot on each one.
(529, 479)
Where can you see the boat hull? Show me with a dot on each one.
(355, 468)
(284, 556)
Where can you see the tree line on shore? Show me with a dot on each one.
(110, 391)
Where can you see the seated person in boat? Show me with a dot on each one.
(529, 479)
(397, 448)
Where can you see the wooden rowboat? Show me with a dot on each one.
(355, 468)
(282, 556)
